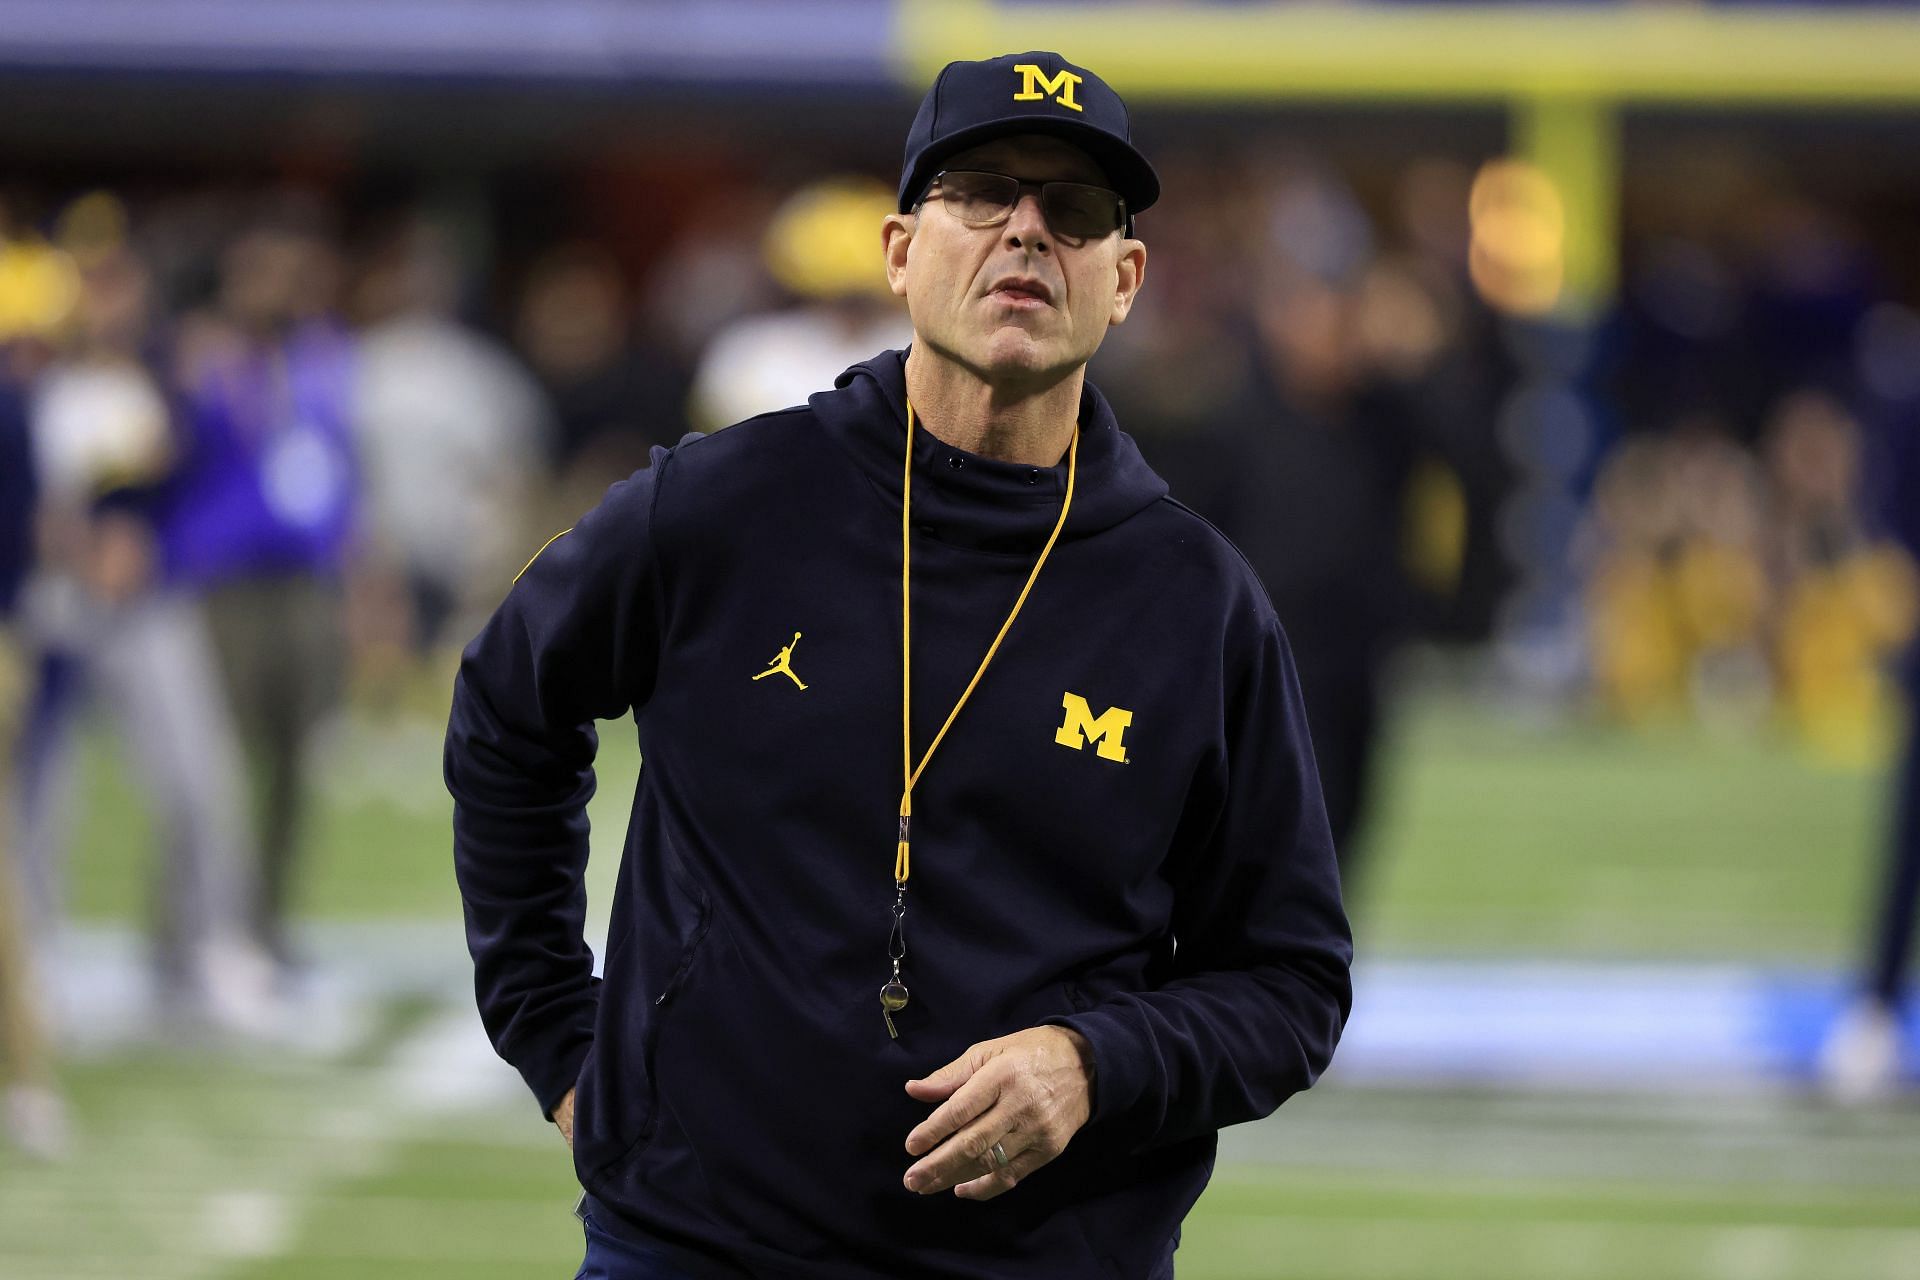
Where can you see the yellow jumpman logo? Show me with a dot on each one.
(783, 664)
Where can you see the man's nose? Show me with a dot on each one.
(1027, 225)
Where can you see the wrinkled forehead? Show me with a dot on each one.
(1032, 156)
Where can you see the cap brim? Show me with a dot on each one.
(1125, 167)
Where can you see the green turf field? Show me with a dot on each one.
(1498, 835)
(278, 1172)
(1495, 838)
(1493, 835)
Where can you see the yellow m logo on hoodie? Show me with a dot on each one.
(1104, 731)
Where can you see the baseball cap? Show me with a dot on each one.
(1039, 92)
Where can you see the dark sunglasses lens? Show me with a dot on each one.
(978, 197)
(1074, 209)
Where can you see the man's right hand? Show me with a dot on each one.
(563, 1116)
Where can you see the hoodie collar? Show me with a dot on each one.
(973, 501)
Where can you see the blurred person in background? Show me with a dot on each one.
(819, 248)
(1434, 346)
(454, 437)
(1337, 482)
(1846, 596)
(1678, 601)
(32, 1113)
(612, 396)
(1316, 496)
(266, 500)
(1325, 399)
(1862, 1059)
(107, 621)
(740, 598)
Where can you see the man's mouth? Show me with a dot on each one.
(1024, 293)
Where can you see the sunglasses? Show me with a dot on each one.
(1075, 212)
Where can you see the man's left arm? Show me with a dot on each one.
(1261, 986)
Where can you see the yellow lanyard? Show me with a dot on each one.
(893, 996)
(908, 771)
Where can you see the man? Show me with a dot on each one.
(450, 429)
(970, 1000)
(1864, 1057)
(32, 1112)
(106, 620)
(264, 517)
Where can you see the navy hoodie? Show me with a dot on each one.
(16, 496)
(1166, 887)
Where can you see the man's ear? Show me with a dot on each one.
(1130, 274)
(896, 236)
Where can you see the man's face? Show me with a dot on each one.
(1013, 303)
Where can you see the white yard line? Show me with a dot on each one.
(443, 1067)
(154, 1194)
(163, 1199)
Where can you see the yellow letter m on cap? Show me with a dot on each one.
(1036, 84)
(1103, 731)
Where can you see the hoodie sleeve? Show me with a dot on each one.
(575, 641)
(1259, 987)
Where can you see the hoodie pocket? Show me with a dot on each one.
(703, 918)
(624, 1092)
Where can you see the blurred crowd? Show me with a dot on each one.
(263, 451)
(1752, 533)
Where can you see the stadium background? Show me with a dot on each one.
(1618, 301)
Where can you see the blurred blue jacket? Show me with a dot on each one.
(269, 481)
